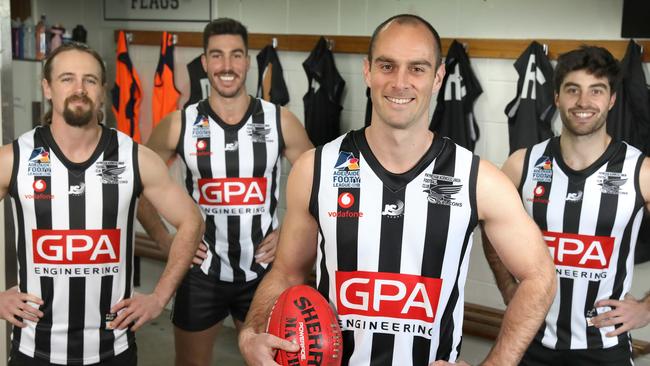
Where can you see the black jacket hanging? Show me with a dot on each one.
(199, 83)
(454, 114)
(270, 82)
(629, 120)
(323, 99)
(531, 112)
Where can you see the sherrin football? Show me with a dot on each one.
(302, 315)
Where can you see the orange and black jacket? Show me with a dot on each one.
(165, 96)
(127, 92)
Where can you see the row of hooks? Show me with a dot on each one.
(330, 43)
(130, 37)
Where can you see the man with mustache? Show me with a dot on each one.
(75, 185)
(231, 145)
(587, 192)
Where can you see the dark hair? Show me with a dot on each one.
(408, 19)
(47, 70)
(224, 26)
(596, 61)
(78, 46)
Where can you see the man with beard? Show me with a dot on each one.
(587, 192)
(231, 145)
(75, 185)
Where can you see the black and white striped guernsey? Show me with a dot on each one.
(393, 249)
(233, 173)
(590, 220)
(74, 239)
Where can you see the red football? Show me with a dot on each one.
(303, 315)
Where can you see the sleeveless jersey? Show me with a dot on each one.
(590, 220)
(127, 92)
(164, 97)
(199, 83)
(233, 173)
(74, 244)
(393, 249)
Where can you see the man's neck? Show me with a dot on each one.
(76, 143)
(230, 110)
(398, 150)
(579, 152)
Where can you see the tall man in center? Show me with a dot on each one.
(388, 213)
(231, 145)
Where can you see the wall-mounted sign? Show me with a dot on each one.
(158, 10)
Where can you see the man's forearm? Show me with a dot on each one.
(153, 224)
(504, 279)
(268, 291)
(182, 251)
(522, 320)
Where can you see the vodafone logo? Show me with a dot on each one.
(201, 145)
(346, 200)
(232, 191)
(539, 191)
(579, 251)
(387, 295)
(39, 186)
(76, 246)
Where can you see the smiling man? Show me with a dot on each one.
(231, 145)
(587, 192)
(75, 185)
(388, 212)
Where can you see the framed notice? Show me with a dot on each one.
(158, 10)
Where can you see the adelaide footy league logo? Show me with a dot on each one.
(346, 171)
(201, 127)
(543, 169)
(39, 163)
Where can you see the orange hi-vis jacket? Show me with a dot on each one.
(127, 92)
(165, 96)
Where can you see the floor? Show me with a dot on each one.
(156, 346)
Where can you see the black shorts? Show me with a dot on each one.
(127, 358)
(538, 355)
(203, 301)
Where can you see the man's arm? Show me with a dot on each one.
(519, 244)
(163, 142)
(169, 199)
(13, 303)
(506, 282)
(295, 137)
(296, 143)
(629, 313)
(295, 259)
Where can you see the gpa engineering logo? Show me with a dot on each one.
(38, 163)
(440, 189)
(580, 256)
(543, 170)
(76, 252)
(346, 171)
(387, 302)
(201, 127)
(232, 196)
